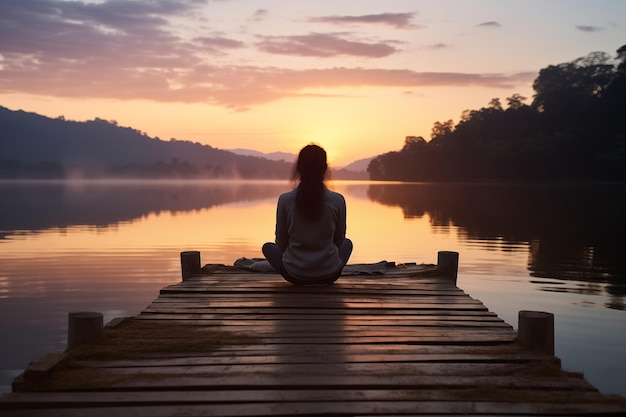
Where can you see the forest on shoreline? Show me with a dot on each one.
(573, 130)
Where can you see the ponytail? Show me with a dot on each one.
(310, 169)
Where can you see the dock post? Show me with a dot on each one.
(84, 327)
(536, 330)
(448, 264)
(190, 263)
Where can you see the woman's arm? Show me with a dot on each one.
(282, 235)
(340, 226)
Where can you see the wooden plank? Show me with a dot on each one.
(124, 398)
(317, 357)
(330, 305)
(331, 313)
(295, 312)
(465, 339)
(329, 330)
(376, 371)
(349, 332)
(230, 381)
(246, 320)
(346, 297)
(337, 288)
(306, 351)
(284, 408)
(361, 290)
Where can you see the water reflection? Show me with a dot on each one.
(32, 206)
(575, 232)
(570, 232)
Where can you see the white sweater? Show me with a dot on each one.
(311, 249)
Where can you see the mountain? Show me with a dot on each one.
(35, 146)
(272, 156)
(359, 165)
(356, 170)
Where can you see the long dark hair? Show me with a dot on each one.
(311, 170)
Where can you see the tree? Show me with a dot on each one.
(495, 104)
(516, 101)
(565, 90)
(441, 129)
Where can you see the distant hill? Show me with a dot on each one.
(273, 156)
(34, 146)
(356, 170)
(359, 165)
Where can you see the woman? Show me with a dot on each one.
(311, 247)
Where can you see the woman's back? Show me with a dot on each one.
(311, 246)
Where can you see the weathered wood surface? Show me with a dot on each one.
(406, 343)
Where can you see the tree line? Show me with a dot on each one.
(37, 147)
(574, 129)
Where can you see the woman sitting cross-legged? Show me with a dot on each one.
(311, 247)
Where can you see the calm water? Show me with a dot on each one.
(110, 247)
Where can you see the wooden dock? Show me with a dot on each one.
(234, 343)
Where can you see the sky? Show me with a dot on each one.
(355, 76)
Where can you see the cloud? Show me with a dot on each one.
(584, 28)
(218, 44)
(269, 84)
(259, 15)
(129, 33)
(237, 87)
(127, 50)
(438, 45)
(323, 45)
(396, 20)
(491, 24)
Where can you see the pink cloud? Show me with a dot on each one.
(438, 45)
(491, 24)
(323, 45)
(397, 20)
(218, 44)
(126, 50)
(237, 87)
(259, 15)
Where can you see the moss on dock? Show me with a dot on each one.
(141, 338)
(128, 339)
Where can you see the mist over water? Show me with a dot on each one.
(110, 246)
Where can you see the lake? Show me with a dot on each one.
(110, 246)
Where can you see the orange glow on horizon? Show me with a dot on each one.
(349, 128)
(226, 232)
